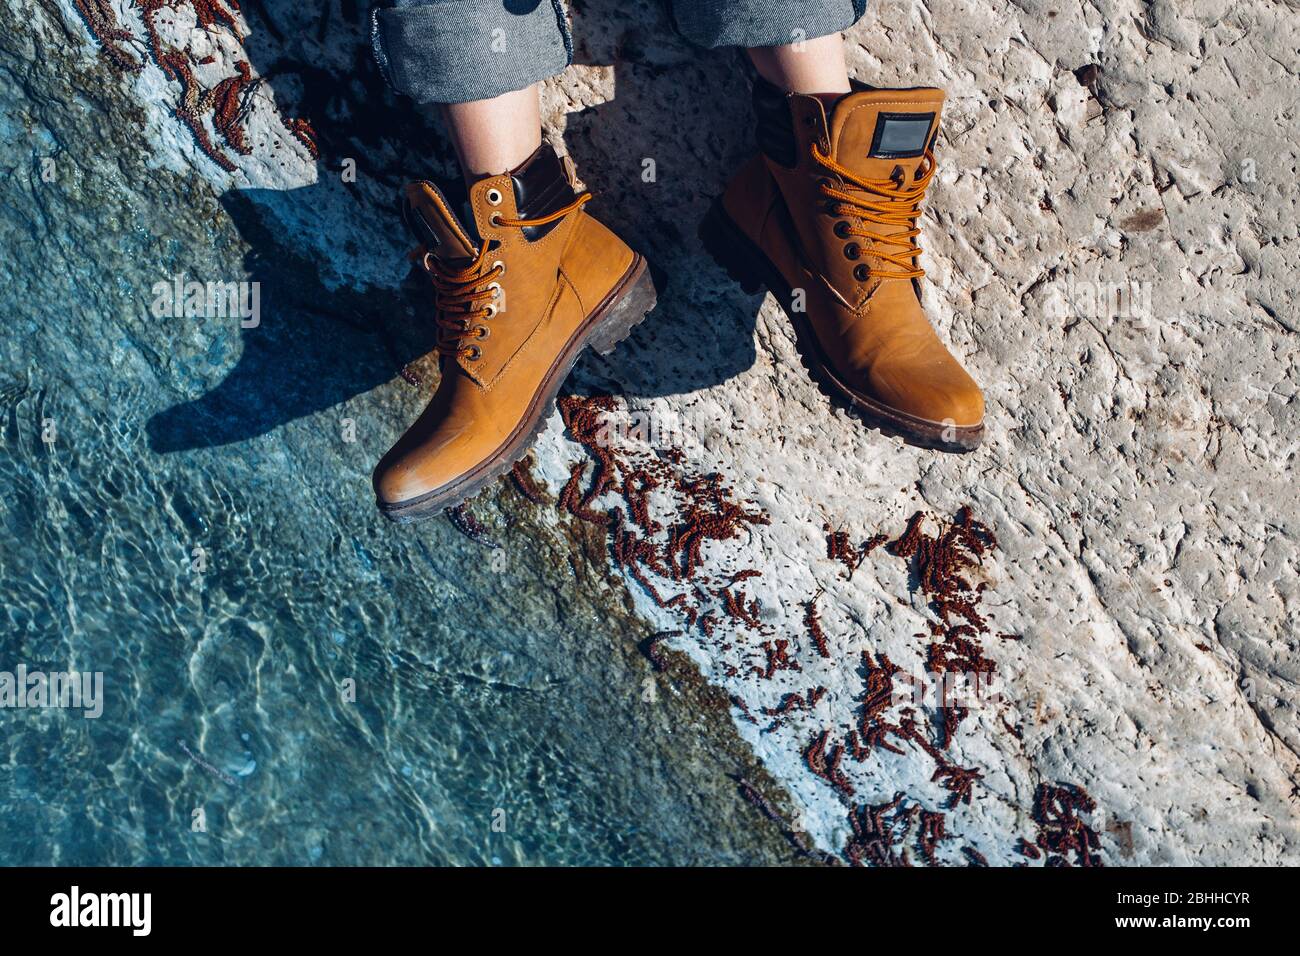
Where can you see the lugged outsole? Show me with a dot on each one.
(746, 265)
(612, 322)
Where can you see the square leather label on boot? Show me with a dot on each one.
(900, 135)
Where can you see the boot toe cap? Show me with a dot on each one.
(941, 394)
(415, 469)
(397, 481)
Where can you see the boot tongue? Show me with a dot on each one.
(429, 217)
(873, 132)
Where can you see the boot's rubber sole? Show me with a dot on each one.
(746, 263)
(609, 323)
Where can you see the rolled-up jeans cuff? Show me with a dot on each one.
(455, 51)
(746, 23)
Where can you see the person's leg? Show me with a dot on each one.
(808, 66)
(496, 135)
(522, 283)
(835, 193)
(481, 63)
(457, 51)
(794, 44)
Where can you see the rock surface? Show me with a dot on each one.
(1110, 246)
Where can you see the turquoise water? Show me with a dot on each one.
(287, 678)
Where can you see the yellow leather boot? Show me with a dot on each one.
(826, 216)
(517, 300)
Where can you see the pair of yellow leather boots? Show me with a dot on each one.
(826, 217)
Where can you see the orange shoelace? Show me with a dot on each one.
(899, 205)
(467, 298)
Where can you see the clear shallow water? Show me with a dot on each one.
(487, 689)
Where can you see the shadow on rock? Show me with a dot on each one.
(318, 344)
(313, 348)
(656, 155)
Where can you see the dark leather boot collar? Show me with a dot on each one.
(541, 187)
(775, 123)
(774, 127)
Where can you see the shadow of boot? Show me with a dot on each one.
(655, 156)
(314, 346)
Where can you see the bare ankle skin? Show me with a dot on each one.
(494, 136)
(809, 66)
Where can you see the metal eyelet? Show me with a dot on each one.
(427, 261)
(494, 219)
(483, 331)
(490, 311)
(842, 229)
(861, 272)
(497, 287)
(474, 354)
(494, 197)
(852, 251)
(498, 264)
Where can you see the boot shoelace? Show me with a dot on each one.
(898, 205)
(467, 298)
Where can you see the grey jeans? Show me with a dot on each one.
(453, 51)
